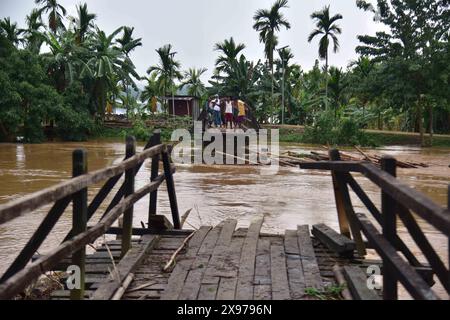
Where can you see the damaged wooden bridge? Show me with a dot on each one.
(161, 260)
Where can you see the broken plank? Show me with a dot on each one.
(357, 283)
(333, 240)
(127, 265)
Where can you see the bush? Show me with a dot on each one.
(139, 131)
(73, 125)
(345, 132)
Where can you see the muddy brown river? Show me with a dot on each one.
(289, 198)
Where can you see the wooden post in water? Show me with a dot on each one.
(154, 141)
(79, 219)
(342, 217)
(127, 229)
(346, 205)
(171, 189)
(388, 208)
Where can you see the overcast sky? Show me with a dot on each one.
(194, 26)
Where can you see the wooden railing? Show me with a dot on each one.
(397, 201)
(21, 272)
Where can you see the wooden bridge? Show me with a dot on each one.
(161, 260)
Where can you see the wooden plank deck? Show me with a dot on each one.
(219, 263)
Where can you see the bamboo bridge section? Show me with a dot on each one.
(161, 260)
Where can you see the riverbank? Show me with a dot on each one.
(293, 134)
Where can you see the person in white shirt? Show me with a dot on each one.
(217, 113)
(228, 113)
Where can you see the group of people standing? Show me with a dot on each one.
(227, 112)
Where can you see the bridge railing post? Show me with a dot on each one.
(342, 217)
(154, 141)
(127, 226)
(389, 226)
(79, 220)
(171, 189)
(346, 213)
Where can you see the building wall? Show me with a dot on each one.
(185, 108)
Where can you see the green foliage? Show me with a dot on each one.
(26, 98)
(332, 292)
(326, 131)
(140, 131)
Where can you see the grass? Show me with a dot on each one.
(288, 134)
(142, 131)
(293, 134)
(330, 293)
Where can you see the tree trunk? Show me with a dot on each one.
(430, 110)
(420, 119)
(326, 81)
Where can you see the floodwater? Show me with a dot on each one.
(289, 198)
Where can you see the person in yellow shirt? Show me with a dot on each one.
(241, 112)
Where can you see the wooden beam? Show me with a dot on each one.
(345, 166)
(399, 243)
(79, 220)
(244, 289)
(425, 246)
(38, 238)
(144, 231)
(21, 279)
(422, 205)
(26, 204)
(348, 206)
(279, 276)
(333, 240)
(129, 190)
(155, 140)
(404, 272)
(311, 269)
(357, 283)
(340, 206)
(389, 226)
(171, 189)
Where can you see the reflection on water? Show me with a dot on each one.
(291, 197)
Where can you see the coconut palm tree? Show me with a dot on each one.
(83, 22)
(327, 28)
(268, 22)
(33, 35)
(10, 31)
(167, 69)
(230, 51)
(127, 42)
(127, 45)
(107, 66)
(56, 13)
(193, 81)
(338, 85)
